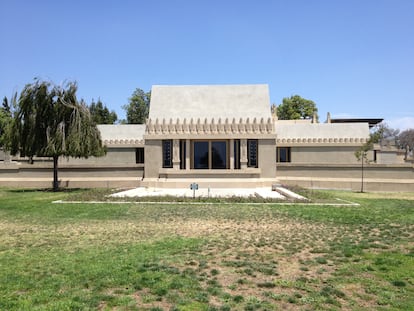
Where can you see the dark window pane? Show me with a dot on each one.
(283, 154)
(139, 155)
(167, 153)
(201, 154)
(252, 153)
(237, 154)
(218, 154)
(183, 151)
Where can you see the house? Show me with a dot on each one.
(224, 136)
(210, 133)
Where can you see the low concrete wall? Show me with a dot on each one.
(212, 183)
(211, 173)
(24, 175)
(377, 177)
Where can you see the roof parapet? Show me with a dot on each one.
(209, 126)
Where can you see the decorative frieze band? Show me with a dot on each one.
(321, 140)
(110, 142)
(192, 126)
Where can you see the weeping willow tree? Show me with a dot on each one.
(49, 121)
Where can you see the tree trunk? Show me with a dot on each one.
(55, 173)
(362, 174)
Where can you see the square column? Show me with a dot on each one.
(243, 153)
(231, 154)
(187, 154)
(176, 154)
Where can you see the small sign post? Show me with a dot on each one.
(194, 187)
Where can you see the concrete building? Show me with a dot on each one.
(216, 134)
(223, 136)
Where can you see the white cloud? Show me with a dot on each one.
(401, 123)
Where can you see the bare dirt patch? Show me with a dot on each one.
(248, 257)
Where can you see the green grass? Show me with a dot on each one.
(205, 257)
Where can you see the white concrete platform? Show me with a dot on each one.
(265, 192)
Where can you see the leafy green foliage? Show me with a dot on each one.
(49, 121)
(5, 121)
(296, 107)
(100, 114)
(362, 153)
(138, 107)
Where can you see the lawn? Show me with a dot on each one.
(137, 256)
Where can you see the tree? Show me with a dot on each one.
(379, 132)
(5, 120)
(49, 121)
(382, 131)
(296, 107)
(362, 155)
(100, 113)
(138, 108)
(406, 141)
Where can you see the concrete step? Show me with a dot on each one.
(205, 183)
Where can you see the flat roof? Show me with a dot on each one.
(371, 121)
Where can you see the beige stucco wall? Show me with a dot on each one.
(209, 101)
(114, 156)
(40, 174)
(379, 171)
(267, 158)
(377, 177)
(324, 154)
(153, 158)
(390, 157)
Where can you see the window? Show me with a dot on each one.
(183, 151)
(218, 154)
(237, 154)
(210, 154)
(201, 155)
(139, 155)
(167, 153)
(252, 153)
(283, 154)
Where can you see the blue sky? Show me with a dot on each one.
(353, 58)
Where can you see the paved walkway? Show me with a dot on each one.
(265, 192)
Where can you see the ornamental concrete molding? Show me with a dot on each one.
(122, 135)
(314, 140)
(123, 142)
(209, 126)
